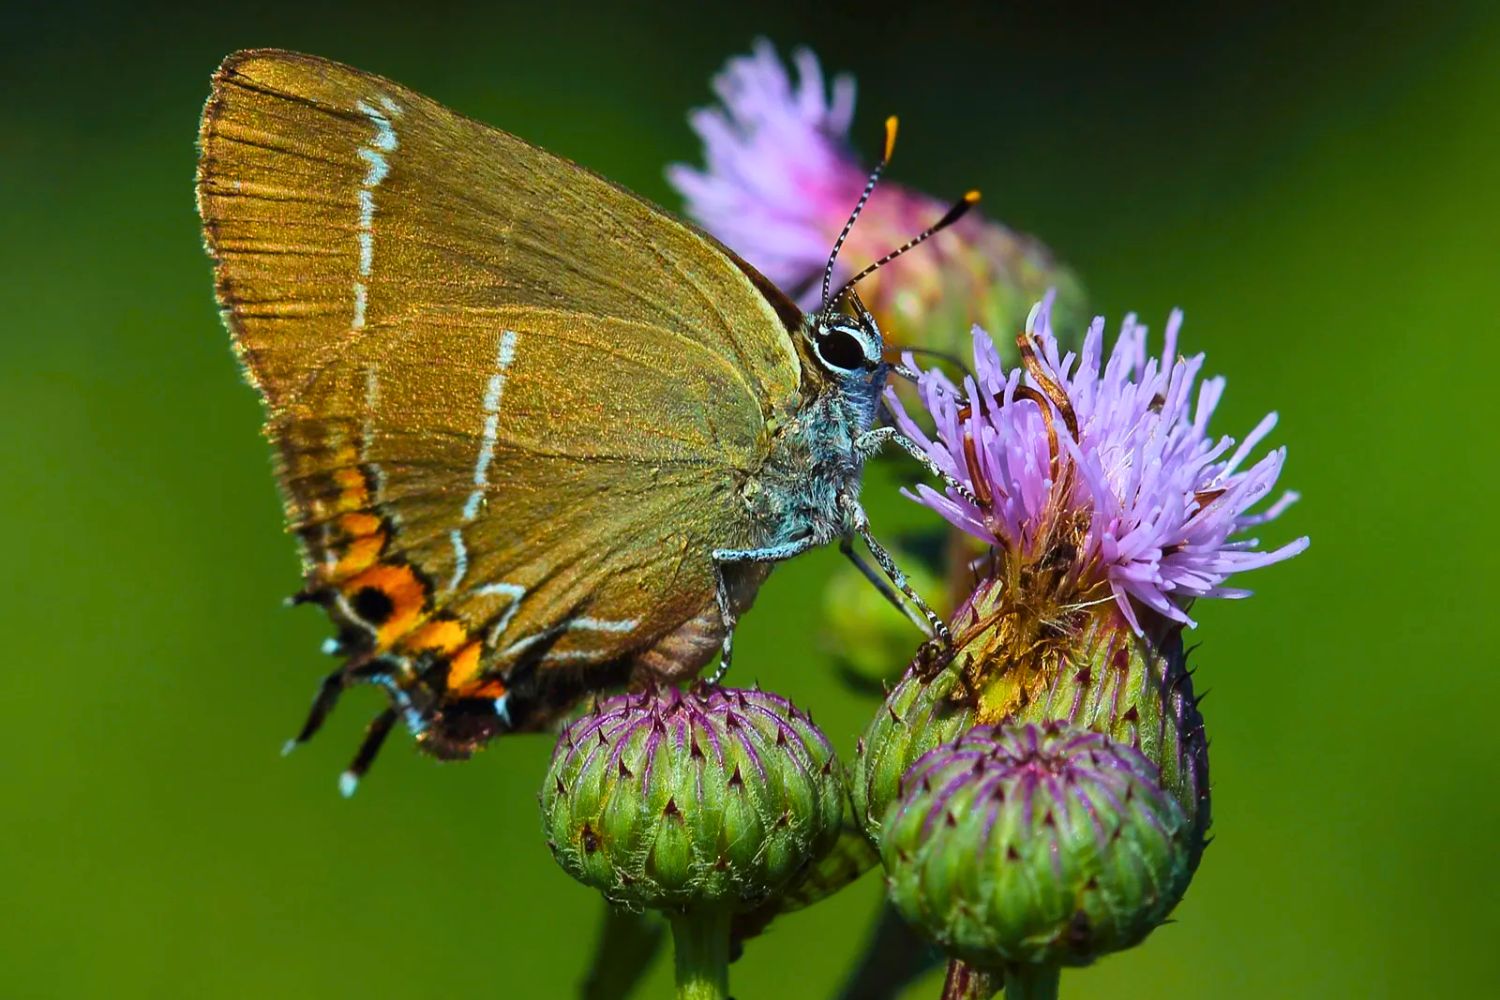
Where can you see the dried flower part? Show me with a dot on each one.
(923, 711)
(780, 178)
(1097, 476)
(1036, 845)
(707, 798)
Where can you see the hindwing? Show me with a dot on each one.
(513, 404)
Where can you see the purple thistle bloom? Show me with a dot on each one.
(1110, 455)
(780, 178)
(779, 170)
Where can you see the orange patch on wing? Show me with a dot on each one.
(443, 636)
(360, 524)
(402, 588)
(351, 490)
(492, 687)
(358, 557)
(354, 492)
(464, 669)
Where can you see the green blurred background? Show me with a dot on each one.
(1316, 186)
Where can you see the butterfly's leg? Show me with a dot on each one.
(375, 734)
(859, 523)
(846, 546)
(871, 442)
(727, 614)
(323, 702)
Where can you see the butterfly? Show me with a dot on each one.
(536, 436)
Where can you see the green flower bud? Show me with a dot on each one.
(1035, 846)
(850, 857)
(923, 711)
(711, 798)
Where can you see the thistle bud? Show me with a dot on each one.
(923, 711)
(1096, 673)
(850, 857)
(1138, 691)
(707, 799)
(1035, 846)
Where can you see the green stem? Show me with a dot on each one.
(1031, 982)
(701, 943)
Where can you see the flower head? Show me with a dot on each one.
(1102, 464)
(1037, 845)
(779, 171)
(707, 798)
(781, 177)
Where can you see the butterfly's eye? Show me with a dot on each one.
(841, 348)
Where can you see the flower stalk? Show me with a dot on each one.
(628, 942)
(700, 942)
(1032, 982)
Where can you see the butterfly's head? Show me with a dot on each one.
(845, 348)
(842, 354)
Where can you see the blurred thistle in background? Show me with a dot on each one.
(779, 177)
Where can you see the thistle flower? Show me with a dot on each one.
(1022, 848)
(708, 797)
(1100, 468)
(704, 803)
(780, 178)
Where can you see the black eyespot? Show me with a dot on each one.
(373, 605)
(841, 349)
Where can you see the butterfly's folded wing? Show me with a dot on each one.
(514, 403)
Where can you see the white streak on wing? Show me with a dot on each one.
(505, 354)
(512, 590)
(575, 654)
(502, 708)
(460, 558)
(372, 403)
(367, 429)
(372, 388)
(366, 230)
(377, 167)
(361, 294)
(603, 624)
(526, 642)
(573, 625)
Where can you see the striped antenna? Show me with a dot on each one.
(958, 211)
(838, 244)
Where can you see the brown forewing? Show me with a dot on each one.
(380, 262)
